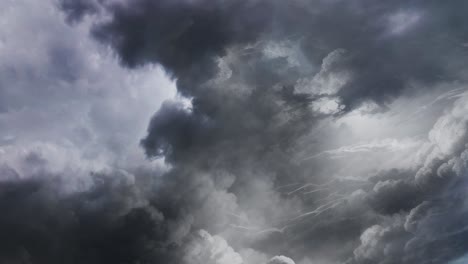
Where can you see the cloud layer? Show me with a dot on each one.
(233, 132)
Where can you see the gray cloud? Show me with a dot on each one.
(280, 260)
(265, 84)
(379, 38)
(433, 230)
(102, 225)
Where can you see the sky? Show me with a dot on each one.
(233, 132)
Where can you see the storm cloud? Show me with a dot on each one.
(233, 132)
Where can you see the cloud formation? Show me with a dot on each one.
(261, 141)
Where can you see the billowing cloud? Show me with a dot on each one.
(233, 132)
(208, 249)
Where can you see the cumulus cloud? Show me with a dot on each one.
(232, 132)
(428, 226)
(212, 250)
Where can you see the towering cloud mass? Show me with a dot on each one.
(285, 131)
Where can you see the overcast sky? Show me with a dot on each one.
(233, 132)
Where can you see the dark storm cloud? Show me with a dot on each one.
(103, 225)
(434, 229)
(174, 130)
(388, 43)
(115, 221)
(382, 197)
(119, 219)
(236, 145)
(184, 36)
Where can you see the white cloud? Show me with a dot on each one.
(208, 249)
(65, 97)
(327, 106)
